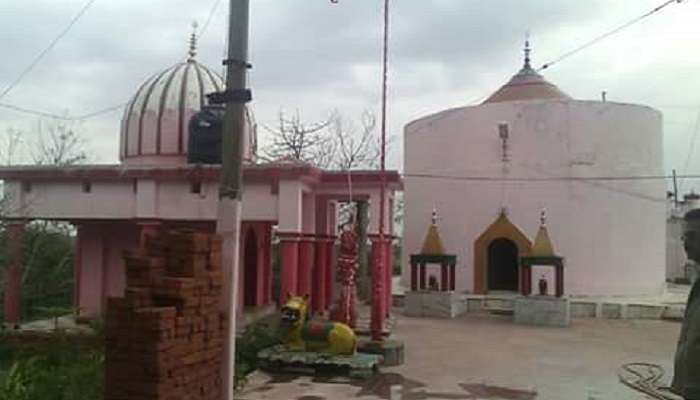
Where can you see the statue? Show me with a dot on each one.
(543, 286)
(300, 334)
(686, 380)
(345, 310)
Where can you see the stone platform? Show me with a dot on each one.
(434, 304)
(280, 359)
(542, 311)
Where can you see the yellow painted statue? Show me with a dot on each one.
(314, 336)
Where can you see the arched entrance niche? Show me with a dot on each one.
(250, 274)
(496, 255)
(502, 265)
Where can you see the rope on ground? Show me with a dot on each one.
(646, 378)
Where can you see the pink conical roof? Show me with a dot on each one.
(527, 84)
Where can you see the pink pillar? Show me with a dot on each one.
(330, 271)
(289, 260)
(306, 266)
(267, 257)
(379, 284)
(319, 294)
(13, 274)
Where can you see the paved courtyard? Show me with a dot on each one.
(488, 357)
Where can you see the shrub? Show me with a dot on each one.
(57, 371)
(256, 337)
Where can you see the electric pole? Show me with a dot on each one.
(231, 190)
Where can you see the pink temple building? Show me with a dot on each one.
(113, 206)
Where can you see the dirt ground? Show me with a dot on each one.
(489, 357)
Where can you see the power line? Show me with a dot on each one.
(33, 112)
(102, 111)
(691, 149)
(596, 181)
(44, 114)
(607, 34)
(209, 19)
(51, 45)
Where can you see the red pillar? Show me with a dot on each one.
(414, 276)
(389, 271)
(13, 274)
(267, 266)
(319, 293)
(330, 270)
(444, 277)
(379, 284)
(560, 281)
(306, 266)
(78, 270)
(289, 260)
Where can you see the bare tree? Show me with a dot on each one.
(294, 139)
(9, 146)
(356, 148)
(59, 145)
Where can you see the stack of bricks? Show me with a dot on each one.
(165, 337)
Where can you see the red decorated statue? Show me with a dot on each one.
(345, 309)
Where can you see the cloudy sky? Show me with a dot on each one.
(314, 56)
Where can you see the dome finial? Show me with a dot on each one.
(527, 51)
(193, 42)
(543, 217)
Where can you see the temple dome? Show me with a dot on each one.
(527, 84)
(155, 122)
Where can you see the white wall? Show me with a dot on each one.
(612, 233)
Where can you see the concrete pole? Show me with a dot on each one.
(231, 189)
(378, 276)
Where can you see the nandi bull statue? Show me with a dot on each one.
(300, 334)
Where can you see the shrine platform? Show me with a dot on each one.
(668, 306)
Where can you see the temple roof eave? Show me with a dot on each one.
(260, 172)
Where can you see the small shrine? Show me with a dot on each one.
(430, 295)
(542, 254)
(542, 309)
(433, 252)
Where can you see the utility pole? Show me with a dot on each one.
(675, 189)
(230, 192)
(381, 268)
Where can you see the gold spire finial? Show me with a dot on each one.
(542, 247)
(432, 245)
(193, 41)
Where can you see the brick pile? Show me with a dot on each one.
(165, 336)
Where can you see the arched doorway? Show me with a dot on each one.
(250, 262)
(500, 229)
(502, 265)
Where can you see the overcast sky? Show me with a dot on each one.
(316, 56)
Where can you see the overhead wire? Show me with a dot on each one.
(607, 34)
(38, 113)
(597, 181)
(691, 148)
(205, 27)
(46, 50)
